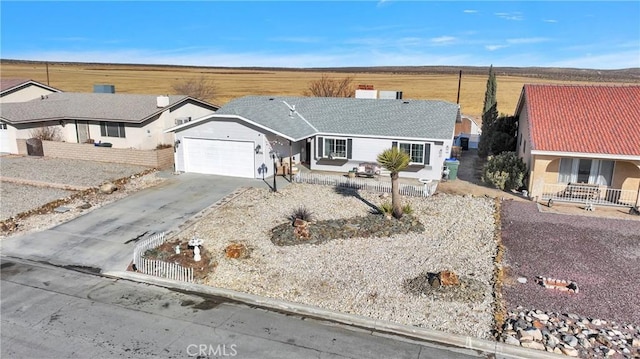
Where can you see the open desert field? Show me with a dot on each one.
(414, 82)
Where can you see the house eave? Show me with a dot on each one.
(236, 117)
(587, 155)
(423, 139)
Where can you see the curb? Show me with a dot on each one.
(481, 346)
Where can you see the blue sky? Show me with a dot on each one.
(582, 34)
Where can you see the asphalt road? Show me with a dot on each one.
(53, 312)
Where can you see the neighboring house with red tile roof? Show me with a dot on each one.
(21, 90)
(581, 142)
(124, 120)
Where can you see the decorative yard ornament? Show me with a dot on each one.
(196, 254)
(194, 242)
(178, 249)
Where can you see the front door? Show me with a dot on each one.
(307, 154)
(82, 129)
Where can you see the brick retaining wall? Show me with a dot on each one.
(162, 158)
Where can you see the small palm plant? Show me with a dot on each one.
(394, 161)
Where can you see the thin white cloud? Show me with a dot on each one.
(470, 11)
(527, 40)
(494, 47)
(442, 40)
(515, 16)
(614, 60)
(552, 21)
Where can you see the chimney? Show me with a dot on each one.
(162, 101)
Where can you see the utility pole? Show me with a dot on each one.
(459, 83)
(47, 67)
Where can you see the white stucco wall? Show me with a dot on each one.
(366, 149)
(225, 129)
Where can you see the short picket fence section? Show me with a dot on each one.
(156, 267)
(365, 184)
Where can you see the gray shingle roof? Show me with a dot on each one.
(92, 106)
(429, 119)
(8, 84)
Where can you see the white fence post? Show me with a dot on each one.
(359, 183)
(158, 268)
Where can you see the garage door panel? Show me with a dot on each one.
(219, 157)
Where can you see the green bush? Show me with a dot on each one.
(505, 171)
(406, 209)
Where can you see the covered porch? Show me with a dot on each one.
(598, 181)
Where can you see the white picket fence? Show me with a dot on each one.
(159, 268)
(425, 190)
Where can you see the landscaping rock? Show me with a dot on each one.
(108, 188)
(236, 251)
(532, 345)
(448, 278)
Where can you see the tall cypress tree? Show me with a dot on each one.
(490, 93)
(489, 115)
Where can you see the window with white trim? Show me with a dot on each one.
(335, 148)
(112, 129)
(415, 151)
(584, 170)
(3, 126)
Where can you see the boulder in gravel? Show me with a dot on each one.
(448, 278)
(85, 205)
(569, 351)
(532, 345)
(236, 251)
(511, 340)
(108, 188)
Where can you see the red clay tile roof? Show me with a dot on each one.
(587, 119)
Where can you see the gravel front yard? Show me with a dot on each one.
(64, 171)
(364, 276)
(17, 198)
(601, 255)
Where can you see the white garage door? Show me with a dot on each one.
(6, 145)
(218, 157)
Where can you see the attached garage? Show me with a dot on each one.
(219, 157)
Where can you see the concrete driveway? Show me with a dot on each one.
(103, 239)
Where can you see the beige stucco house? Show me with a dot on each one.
(123, 120)
(18, 90)
(581, 143)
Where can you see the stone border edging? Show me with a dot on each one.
(43, 184)
(423, 334)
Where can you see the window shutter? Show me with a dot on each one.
(394, 144)
(103, 129)
(319, 145)
(349, 147)
(427, 153)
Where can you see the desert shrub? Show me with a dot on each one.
(46, 133)
(385, 208)
(505, 171)
(163, 145)
(302, 213)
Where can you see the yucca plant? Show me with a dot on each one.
(302, 213)
(394, 160)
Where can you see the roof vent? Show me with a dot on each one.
(162, 101)
(405, 101)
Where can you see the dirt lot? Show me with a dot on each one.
(600, 254)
